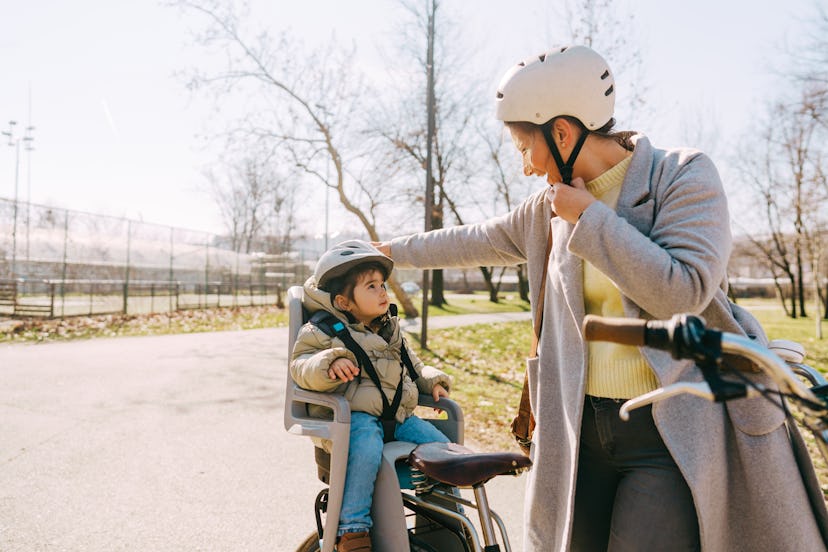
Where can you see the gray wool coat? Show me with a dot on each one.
(666, 248)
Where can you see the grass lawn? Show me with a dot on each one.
(475, 303)
(487, 364)
(120, 325)
(802, 330)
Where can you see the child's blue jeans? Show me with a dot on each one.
(364, 458)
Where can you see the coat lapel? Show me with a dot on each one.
(567, 269)
(636, 203)
(635, 191)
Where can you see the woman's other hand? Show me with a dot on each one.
(383, 247)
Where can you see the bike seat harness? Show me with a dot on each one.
(334, 327)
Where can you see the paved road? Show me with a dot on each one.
(159, 443)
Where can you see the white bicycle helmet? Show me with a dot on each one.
(574, 81)
(343, 256)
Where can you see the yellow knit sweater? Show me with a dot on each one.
(614, 371)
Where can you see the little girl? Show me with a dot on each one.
(367, 365)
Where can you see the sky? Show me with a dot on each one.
(117, 132)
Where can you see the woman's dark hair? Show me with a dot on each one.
(606, 132)
(345, 284)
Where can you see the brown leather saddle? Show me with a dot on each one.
(459, 466)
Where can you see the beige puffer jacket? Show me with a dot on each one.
(315, 351)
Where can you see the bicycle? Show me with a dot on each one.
(688, 337)
(416, 505)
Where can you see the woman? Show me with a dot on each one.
(637, 232)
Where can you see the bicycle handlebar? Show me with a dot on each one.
(626, 331)
(687, 337)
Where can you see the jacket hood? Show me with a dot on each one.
(317, 299)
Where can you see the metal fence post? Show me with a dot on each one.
(65, 260)
(236, 282)
(170, 287)
(206, 273)
(126, 269)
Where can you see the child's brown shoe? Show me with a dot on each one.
(354, 542)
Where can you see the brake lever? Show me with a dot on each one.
(699, 389)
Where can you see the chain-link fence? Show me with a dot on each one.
(59, 262)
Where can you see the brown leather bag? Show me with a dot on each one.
(523, 425)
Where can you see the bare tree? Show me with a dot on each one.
(246, 195)
(505, 171)
(605, 27)
(401, 121)
(811, 65)
(282, 223)
(812, 61)
(786, 171)
(302, 105)
(787, 176)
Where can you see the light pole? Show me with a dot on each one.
(429, 192)
(15, 142)
(28, 138)
(327, 200)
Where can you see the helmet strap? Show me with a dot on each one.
(564, 168)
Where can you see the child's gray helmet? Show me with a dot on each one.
(342, 257)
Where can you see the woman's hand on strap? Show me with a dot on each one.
(570, 201)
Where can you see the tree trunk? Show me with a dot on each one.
(438, 298)
(493, 293)
(793, 300)
(487, 277)
(523, 283)
(817, 301)
(800, 286)
(731, 294)
(824, 298)
(780, 292)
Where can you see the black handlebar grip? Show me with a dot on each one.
(626, 331)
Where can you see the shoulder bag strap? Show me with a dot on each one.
(523, 426)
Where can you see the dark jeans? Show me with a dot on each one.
(630, 494)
